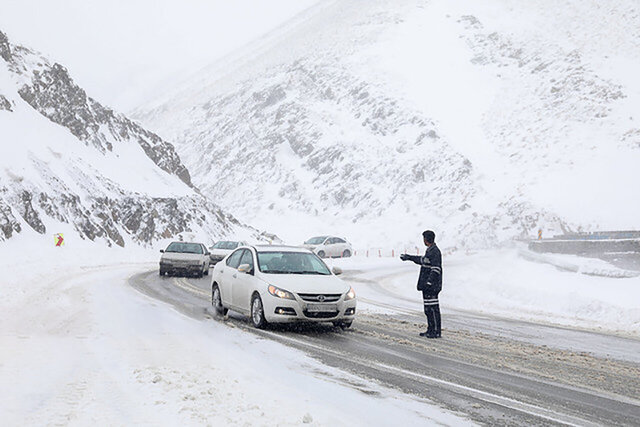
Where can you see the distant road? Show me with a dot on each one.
(495, 371)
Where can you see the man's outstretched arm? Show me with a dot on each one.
(420, 260)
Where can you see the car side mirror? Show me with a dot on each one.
(337, 271)
(245, 268)
(207, 253)
(161, 251)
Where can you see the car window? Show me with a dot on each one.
(185, 248)
(291, 263)
(247, 258)
(226, 245)
(339, 240)
(234, 260)
(315, 240)
(331, 241)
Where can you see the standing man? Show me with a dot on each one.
(429, 282)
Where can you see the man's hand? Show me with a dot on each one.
(404, 257)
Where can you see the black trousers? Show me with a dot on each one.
(432, 311)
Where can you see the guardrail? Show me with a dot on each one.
(590, 243)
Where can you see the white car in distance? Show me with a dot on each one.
(223, 248)
(184, 258)
(281, 284)
(329, 246)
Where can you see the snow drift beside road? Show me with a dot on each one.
(503, 283)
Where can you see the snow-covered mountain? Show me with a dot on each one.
(68, 163)
(483, 121)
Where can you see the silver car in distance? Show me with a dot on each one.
(185, 258)
(329, 246)
(221, 249)
(281, 284)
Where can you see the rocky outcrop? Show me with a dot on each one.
(57, 184)
(5, 104)
(324, 141)
(51, 91)
(8, 223)
(5, 47)
(115, 218)
(55, 95)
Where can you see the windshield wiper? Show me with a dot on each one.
(311, 272)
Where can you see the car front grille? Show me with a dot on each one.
(320, 297)
(320, 315)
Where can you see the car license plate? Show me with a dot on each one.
(322, 308)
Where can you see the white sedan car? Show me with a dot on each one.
(329, 246)
(280, 284)
(221, 249)
(184, 258)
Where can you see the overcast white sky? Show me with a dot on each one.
(121, 51)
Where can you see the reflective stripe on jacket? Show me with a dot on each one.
(430, 278)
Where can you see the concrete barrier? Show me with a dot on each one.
(586, 246)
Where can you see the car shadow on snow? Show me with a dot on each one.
(301, 328)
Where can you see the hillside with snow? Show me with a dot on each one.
(69, 164)
(484, 122)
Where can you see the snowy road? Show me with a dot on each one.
(495, 371)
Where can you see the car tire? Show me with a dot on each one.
(257, 312)
(346, 253)
(205, 269)
(161, 272)
(216, 301)
(321, 254)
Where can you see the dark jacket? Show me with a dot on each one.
(430, 279)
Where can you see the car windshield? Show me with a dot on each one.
(226, 245)
(291, 263)
(185, 248)
(315, 240)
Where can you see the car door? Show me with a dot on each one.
(226, 276)
(331, 247)
(341, 246)
(204, 259)
(243, 283)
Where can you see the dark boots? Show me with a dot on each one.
(432, 311)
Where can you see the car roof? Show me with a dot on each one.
(280, 248)
(190, 243)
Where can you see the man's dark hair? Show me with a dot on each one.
(430, 236)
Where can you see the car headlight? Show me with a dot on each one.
(280, 293)
(350, 295)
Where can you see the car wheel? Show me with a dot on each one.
(346, 253)
(321, 254)
(216, 301)
(205, 269)
(257, 312)
(161, 272)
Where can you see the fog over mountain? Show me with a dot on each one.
(485, 122)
